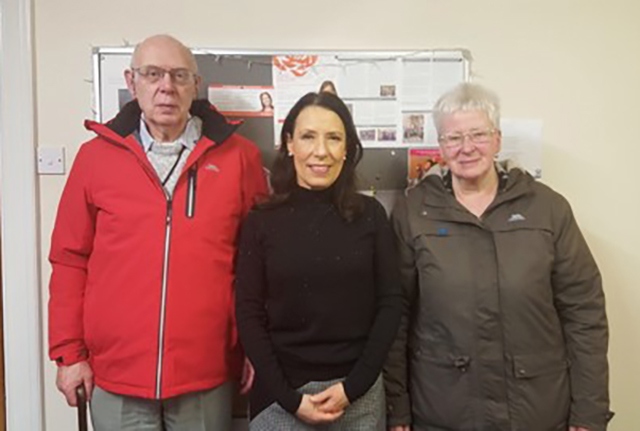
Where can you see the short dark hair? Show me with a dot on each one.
(346, 198)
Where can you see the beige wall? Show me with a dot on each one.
(573, 64)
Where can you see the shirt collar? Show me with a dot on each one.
(189, 138)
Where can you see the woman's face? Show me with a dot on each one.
(265, 98)
(468, 143)
(318, 147)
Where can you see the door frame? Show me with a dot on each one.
(19, 220)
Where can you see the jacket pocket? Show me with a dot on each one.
(190, 205)
(541, 396)
(440, 388)
(538, 364)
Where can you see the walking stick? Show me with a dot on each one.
(82, 408)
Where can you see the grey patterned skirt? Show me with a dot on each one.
(367, 413)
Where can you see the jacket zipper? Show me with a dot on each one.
(165, 262)
(163, 297)
(165, 272)
(190, 212)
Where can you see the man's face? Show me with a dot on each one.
(163, 79)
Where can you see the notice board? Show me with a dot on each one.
(389, 93)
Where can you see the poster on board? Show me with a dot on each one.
(389, 93)
(389, 96)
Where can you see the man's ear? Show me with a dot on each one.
(128, 77)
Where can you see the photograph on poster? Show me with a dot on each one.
(266, 101)
(387, 91)
(420, 160)
(387, 134)
(242, 100)
(413, 128)
(367, 135)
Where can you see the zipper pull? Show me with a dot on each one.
(169, 210)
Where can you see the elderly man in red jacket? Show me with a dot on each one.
(141, 295)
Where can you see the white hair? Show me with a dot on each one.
(467, 97)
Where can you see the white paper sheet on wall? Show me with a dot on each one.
(522, 141)
(113, 87)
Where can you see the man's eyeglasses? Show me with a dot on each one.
(153, 74)
(454, 141)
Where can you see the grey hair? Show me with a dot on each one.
(467, 97)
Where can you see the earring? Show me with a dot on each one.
(290, 153)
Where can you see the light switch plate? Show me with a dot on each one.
(51, 160)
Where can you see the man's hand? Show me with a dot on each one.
(248, 373)
(331, 400)
(578, 429)
(308, 413)
(72, 376)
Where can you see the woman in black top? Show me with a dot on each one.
(318, 298)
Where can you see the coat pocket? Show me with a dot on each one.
(539, 364)
(440, 390)
(541, 388)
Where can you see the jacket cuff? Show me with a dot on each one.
(398, 410)
(591, 422)
(70, 358)
(352, 393)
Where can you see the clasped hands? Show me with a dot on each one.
(323, 407)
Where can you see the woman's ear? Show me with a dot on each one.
(289, 145)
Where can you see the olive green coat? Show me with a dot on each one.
(505, 326)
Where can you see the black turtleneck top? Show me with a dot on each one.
(317, 297)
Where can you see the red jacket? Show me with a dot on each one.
(142, 285)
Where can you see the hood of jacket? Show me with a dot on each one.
(514, 182)
(215, 126)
